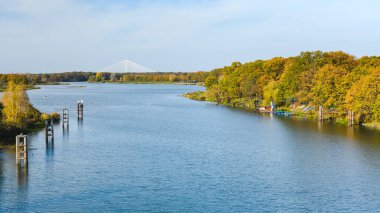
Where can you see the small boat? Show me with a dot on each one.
(282, 113)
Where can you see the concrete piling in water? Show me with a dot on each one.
(49, 131)
(80, 109)
(65, 116)
(21, 149)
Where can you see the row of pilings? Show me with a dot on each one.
(350, 116)
(321, 114)
(22, 140)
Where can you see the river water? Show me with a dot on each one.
(146, 148)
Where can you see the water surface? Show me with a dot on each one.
(146, 148)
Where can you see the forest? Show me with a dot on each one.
(335, 80)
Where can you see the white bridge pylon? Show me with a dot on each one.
(127, 66)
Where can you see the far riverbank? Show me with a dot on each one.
(285, 111)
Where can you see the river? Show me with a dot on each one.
(146, 148)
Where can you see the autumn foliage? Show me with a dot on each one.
(335, 80)
(17, 110)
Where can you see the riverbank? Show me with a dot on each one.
(8, 133)
(150, 82)
(249, 105)
(372, 125)
(17, 114)
(28, 87)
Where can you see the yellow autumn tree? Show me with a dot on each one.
(270, 92)
(172, 78)
(16, 106)
(99, 76)
(364, 98)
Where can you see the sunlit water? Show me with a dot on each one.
(146, 148)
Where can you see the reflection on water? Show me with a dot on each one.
(22, 187)
(80, 123)
(49, 151)
(358, 134)
(320, 126)
(350, 132)
(65, 133)
(22, 177)
(2, 160)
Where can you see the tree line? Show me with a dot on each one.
(335, 80)
(52, 78)
(163, 77)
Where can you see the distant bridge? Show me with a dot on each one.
(127, 66)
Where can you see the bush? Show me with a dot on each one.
(55, 116)
(45, 116)
(199, 96)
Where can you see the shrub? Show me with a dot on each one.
(45, 116)
(55, 116)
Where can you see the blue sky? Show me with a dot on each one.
(178, 35)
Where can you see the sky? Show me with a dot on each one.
(43, 36)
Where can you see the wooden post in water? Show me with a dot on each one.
(320, 114)
(256, 102)
(351, 118)
(80, 109)
(65, 115)
(21, 149)
(49, 131)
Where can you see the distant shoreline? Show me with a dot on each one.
(148, 82)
